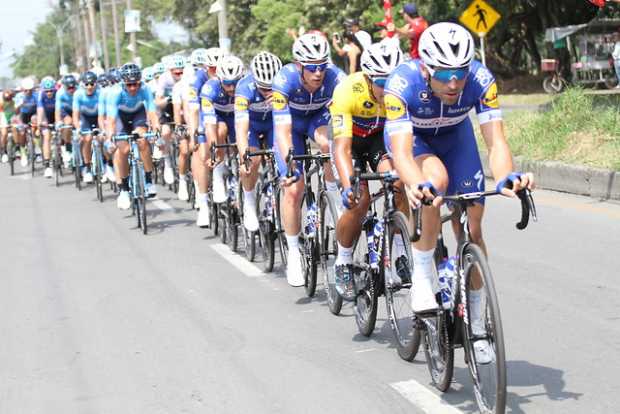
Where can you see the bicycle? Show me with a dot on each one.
(76, 160)
(449, 327)
(57, 152)
(230, 210)
(98, 165)
(137, 177)
(310, 242)
(30, 145)
(10, 150)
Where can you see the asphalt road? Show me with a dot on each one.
(97, 318)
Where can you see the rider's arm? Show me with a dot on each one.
(101, 110)
(76, 110)
(177, 104)
(57, 107)
(111, 113)
(151, 113)
(209, 122)
(342, 130)
(242, 122)
(282, 120)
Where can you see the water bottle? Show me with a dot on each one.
(446, 277)
(311, 221)
(268, 205)
(373, 257)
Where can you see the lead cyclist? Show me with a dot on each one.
(430, 138)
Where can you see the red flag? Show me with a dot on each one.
(387, 7)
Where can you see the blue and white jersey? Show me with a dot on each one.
(64, 100)
(119, 100)
(27, 103)
(47, 103)
(411, 106)
(249, 103)
(215, 101)
(291, 99)
(200, 78)
(86, 104)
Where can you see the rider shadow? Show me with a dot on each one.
(161, 226)
(520, 374)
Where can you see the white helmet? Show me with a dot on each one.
(311, 47)
(229, 68)
(198, 57)
(213, 56)
(264, 67)
(380, 59)
(27, 83)
(176, 62)
(446, 45)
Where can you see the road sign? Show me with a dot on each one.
(479, 17)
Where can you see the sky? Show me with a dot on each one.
(19, 19)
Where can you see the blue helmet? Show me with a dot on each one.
(48, 83)
(69, 81)
(130, 72)
(89, 77)
(114, 76)
(103, 80)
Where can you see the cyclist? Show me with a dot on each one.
(46, 112)
(163, 100)
(431, 141)
(218, 121)
(86, 118)
(252, 119)
(104, 91)
(205, 63)
(180, 108)
(128, 108)
(26, 108)
(158, 70)
(301, 92)
(358, 118)
(7, 112)
(64, 113)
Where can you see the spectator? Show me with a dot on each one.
(353, 25)
(413, 28)
(351, 52)
(616, 55)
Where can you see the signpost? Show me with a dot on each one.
(480, 18)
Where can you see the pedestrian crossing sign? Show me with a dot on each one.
(479, 17)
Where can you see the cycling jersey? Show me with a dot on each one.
(88, 107)
(216, 106)
(64, 102)
(165, 83)
(438, 129)
(129, 111)
(355, 111)
(251, 105)
(48, 104)
(8, 110)
(200, 78)
(27, 103)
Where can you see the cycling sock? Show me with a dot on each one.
(69, 147)
(125, 184)
(477, 325)
(292, 242)
(149, 177)
(423, 264)
(345, 255)
(249, 196)
(167, 161)
(201, 198)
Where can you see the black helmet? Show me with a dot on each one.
(103, 80)
(114, 76)
(89, 77)
(130, 72)
(69, 81)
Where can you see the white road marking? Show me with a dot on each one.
(21, 177)
(240, 262)
(162, 205)
(424, 398)
(359, 351)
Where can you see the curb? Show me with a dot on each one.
(575, 179)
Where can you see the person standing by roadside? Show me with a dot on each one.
(616, 55)
(413, 28)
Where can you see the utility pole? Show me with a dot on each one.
(104, 35)
(90, 4)
(117, 43)
(87, 39)
(132, 38)
(79, 37)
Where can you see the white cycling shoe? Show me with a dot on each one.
(48, 172)
(294, 272)
(250, 221)
(183, 194)
(109, 172)
(151, 190)
(168, 175)
(123, 201)
(202, 219)
(5, 158)
(87, 177)
(422, 294)
(219, 189)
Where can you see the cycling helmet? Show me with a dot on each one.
(198, 57)
(147, 74)
(27, 84)
(380, 59)
(158, 69)
(48, 84)
(69, 81)
(89, 77)
(130, 72)
(176, 62)
(311, 47)
(103, 80)
(229, 68)
(114, 76)
(446, 45)
(213, 56)
(264, 67)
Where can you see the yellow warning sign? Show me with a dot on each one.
(479, 17)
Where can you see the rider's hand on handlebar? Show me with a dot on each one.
(288, 181)
(515, 182)
(424, 193)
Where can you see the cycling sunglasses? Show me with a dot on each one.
(446, 75)
(379, 81)
(230, 82)
(315, 67)
(90, 84)
(131, 85)
(177, 73)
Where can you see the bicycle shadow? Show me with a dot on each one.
(161, 226)
(520, 374)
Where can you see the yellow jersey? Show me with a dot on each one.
(355, 112)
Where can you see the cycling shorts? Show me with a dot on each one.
(88, 122)
(229, 120)
(302, 128)
(26, 117)
(370, 149)
(458, 151)
(256, 130)
(166, 115)
(64, 112)
(126, 122)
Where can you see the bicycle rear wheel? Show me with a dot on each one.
(438, 350)
(367, 289)
(489, 378)
(310, 250)
(11, 152)
(329, 251)
(266, 228)
(398, 297)
(31, 153)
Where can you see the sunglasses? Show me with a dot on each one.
(90, 84)
(379, 81)
(132, 85)
(264, 90)
(446, 75)
(229, 82)
(315, 67)
(178, 73)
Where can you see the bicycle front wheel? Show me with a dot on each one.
(366, 287)
(398, 296)
(489, 371)
(329, 251)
